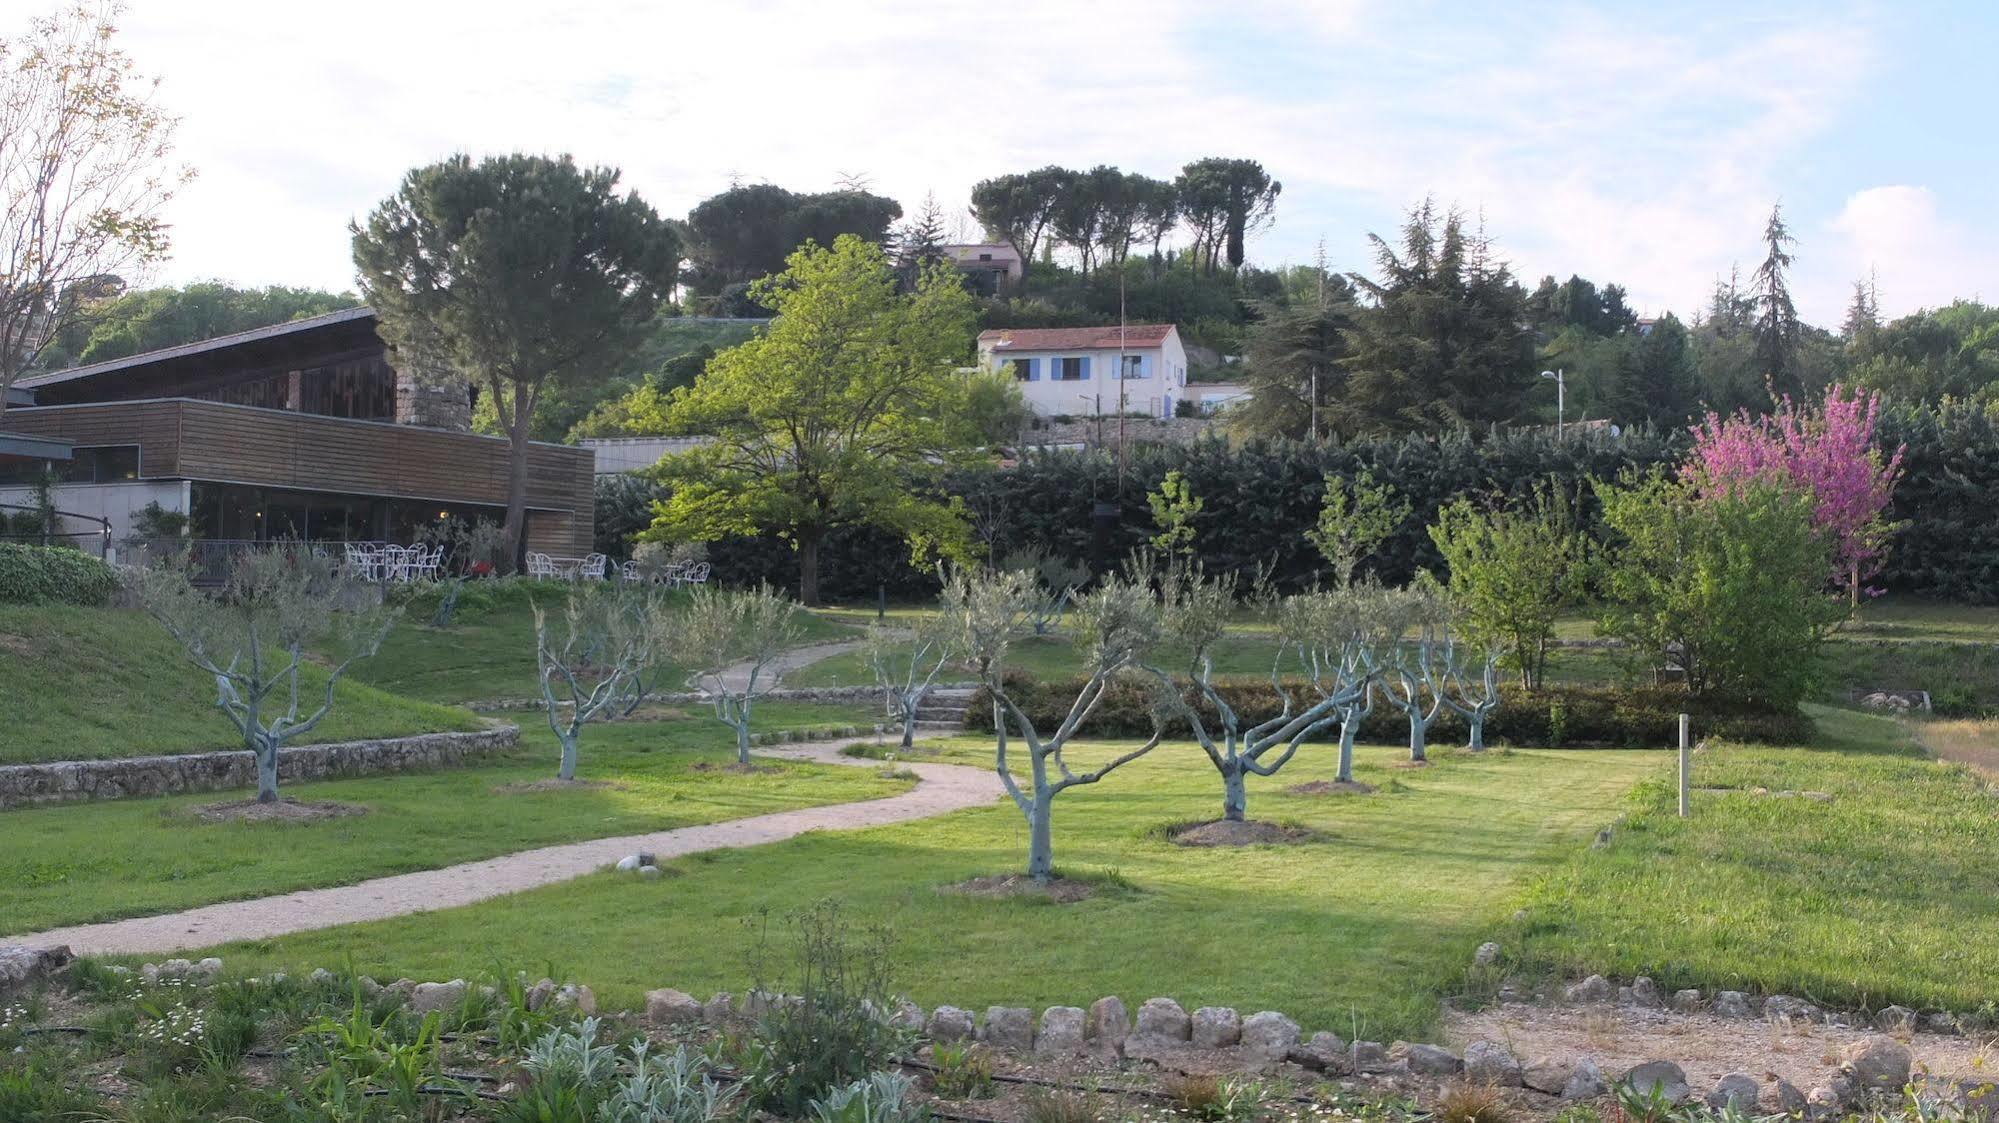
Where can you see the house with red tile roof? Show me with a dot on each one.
(1083, 372)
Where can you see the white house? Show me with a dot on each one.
(1063, 372)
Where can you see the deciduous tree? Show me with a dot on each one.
(610, 635)
(1513, 570)
(733, 638)
(279, 609)
(837, 415)
(85, 173)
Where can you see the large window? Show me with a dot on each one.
(1134, 366)
(99, 464)
(239, 512)
(1071, 369)
(1023, 369)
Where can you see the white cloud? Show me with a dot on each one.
(1918, 258)
(1645, 152)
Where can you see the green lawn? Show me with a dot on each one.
(1885, 894)
(488, 650)
(1359, 932)
(78, 863)
(89, 683)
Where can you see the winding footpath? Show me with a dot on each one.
(941, 788)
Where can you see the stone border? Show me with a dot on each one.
(77, 781)
(1212, 1038)
(1643, 993)
(688, 698)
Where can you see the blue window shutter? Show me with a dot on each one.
(1086, 368)
(1145, 366)
(1031, 373)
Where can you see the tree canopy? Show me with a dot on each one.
(151, 319)
(833, 416)
(514, 272)
(750, 230)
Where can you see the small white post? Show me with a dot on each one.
(1686, 765)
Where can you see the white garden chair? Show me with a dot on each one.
(540, 564)
(591, 568)
(697, 574)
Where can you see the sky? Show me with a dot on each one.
(1636, 143)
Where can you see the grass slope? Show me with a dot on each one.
(74, 864)
(1884, 894)
(488, 650)
(90, 683)
(1358, 933)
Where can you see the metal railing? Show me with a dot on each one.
(100, 535)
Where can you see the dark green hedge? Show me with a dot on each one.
(60, 574)
(1558, 716)
(1262, 496)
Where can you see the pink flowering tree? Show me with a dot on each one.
(1827, 452)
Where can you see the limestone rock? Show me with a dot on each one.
(1325, 1052)
(628, 863)
(1216, 1027)
(538, 995)
(1370, 1056)
(1163, 1018)
(1784, 1008)
(948, 1023)
(1687, 1001)
(577, 997)
(1108, 1023)
(907, 1015)
(1785, 1097)
(1486, 955)
(1585, 1081)
(1733, 1004)
(1644, 992)
(1667, 1077)
(1941, 1021)
(650, 873)
(1879, 1063)
(1428, 1060)
(1895, 1019)
(1738, 1090)
(1060, 1032)
(1548, 1074)
(1489, 1062)
(431, 998)
(1268, 1036)
(23, 968)
(719, 1009)
(1596, 988)
(1009, 1027)
(669, 1007)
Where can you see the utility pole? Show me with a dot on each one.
(1120, 381)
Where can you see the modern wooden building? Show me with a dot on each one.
(300, 430)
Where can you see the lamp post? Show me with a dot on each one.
(1561, 396)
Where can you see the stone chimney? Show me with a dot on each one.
(430, 397)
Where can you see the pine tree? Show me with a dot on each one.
(1443, 343)
(920, 241)
(1863, 316)
(1776, 325)
(1292, 360)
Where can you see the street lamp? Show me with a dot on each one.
(1561, 396)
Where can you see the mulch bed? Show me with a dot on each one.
(283, 811)
(1232, 832)
(522, 786)
(1332, 787)
(1061, 890)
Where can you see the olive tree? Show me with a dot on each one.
(906, 666)
(588, 667)
(1414, 619)
(734, 638)
(1056, 580)
(278, 609)
(1114, 625)
(1196, 611)
(1467, 682)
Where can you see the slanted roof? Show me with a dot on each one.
(1075, 339)
(21, 446)
(219, 343)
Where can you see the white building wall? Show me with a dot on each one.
(119, 502)
(1154, 396)
(633, 454)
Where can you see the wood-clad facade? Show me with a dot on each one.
(292, 430)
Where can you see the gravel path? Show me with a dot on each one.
(941, 788)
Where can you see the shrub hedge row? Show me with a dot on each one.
(1260, 497)
(60, 574)
(1554, 716)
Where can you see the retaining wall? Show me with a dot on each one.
(70, 781)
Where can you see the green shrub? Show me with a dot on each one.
(60, 574)
(1552, 716)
